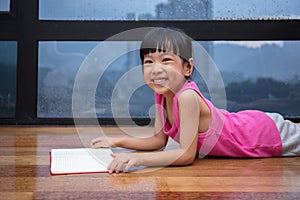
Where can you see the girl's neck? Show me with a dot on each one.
(169, 96)
(169, 99)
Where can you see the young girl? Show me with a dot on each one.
(183, 114)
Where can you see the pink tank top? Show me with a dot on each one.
(248, 133)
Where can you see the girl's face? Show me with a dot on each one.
(165, 72)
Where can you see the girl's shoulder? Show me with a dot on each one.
(188, 97)
(188, 85)
(189, 90)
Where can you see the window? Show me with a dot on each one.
(135, 10)
(254, 44)
(261, 75)
(59, 63)
(8, 63)
(4, 5)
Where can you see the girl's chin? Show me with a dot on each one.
(161, 89)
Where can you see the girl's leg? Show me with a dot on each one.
(289, 133)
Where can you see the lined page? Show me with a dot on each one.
(81, 160)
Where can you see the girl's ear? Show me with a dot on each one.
(188, 67)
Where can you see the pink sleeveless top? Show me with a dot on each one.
(248, 133)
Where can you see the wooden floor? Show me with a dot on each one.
(24, 172)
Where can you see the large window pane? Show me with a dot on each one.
(261, 75)
(168, 9)
(59, 63)
(4, 5)
(8, 66)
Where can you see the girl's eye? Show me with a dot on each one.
(147, 61)
(167, 60)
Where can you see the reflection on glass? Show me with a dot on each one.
(262, 75)
(5, 5)
(168, 9)
(58, 64)
(8, 68)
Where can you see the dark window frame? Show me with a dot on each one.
(11, 14)
(21, 24)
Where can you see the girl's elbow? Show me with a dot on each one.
(157, 147)
(161, 144)
(188, 159)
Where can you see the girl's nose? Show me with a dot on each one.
(157, 69)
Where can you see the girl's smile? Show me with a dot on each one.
(159, 81)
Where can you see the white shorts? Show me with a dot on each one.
(289, 133)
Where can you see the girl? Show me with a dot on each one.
(183, 114)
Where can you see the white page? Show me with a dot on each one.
(80, 160)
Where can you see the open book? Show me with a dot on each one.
(79, 160)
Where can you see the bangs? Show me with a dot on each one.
(166, 40)
(164, 45)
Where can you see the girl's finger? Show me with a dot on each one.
(113, 155)
(94, 141)
(127, 168)
(119, 167)
(111, 167)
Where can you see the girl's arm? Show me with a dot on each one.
(189, 111)
(155, 142)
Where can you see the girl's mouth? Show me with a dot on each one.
(159, 81)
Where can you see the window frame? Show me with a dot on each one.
(11, 14)
(21, 24)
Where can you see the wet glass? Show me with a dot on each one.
(262, 75)
(8, 74)
(135, 10)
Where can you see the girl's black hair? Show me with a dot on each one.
(166, 39)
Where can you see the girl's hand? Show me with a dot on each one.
(123, 159)
(103, 142)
